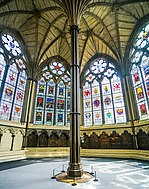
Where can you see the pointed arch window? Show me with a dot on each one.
(12, 78)
(103, 95)
(52, 105)
(140, 71)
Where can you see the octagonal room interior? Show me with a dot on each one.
(43, 97)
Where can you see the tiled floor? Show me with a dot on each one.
(111, 174)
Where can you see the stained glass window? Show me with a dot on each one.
(140, 71)
(54, 92)
(102, 94)
(12, 78)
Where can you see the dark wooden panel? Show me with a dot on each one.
(63, 140)
(32, 139)
(127, 141)
(53, 140)
(143, 140)
(43, 140)
(115, 140)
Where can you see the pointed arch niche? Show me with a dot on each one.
(103, 101)
(52, 106)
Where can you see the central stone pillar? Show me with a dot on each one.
(75, 168)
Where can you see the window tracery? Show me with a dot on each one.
(102, 94)
(12, 78)
(53, 91)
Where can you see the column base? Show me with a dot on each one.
(74, 170)
(62, 177)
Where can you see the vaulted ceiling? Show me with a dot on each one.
(105, 26)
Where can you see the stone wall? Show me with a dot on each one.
(11, 138)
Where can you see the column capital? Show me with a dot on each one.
(75, 65)
(74, 27)
(31, 79)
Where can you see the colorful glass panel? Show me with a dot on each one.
(40, 101)
(51, 88)
(5, 108)
(60, 104)
(39, 116)
(9, 91)
(97, 115)
(19, 96)
(118, 101)
(60, 118)
(22, 82)
(41, 87)
(49, 117)
(87, 104)
(50, 102)
(140, 71)
(107, 101)
(16, 115)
